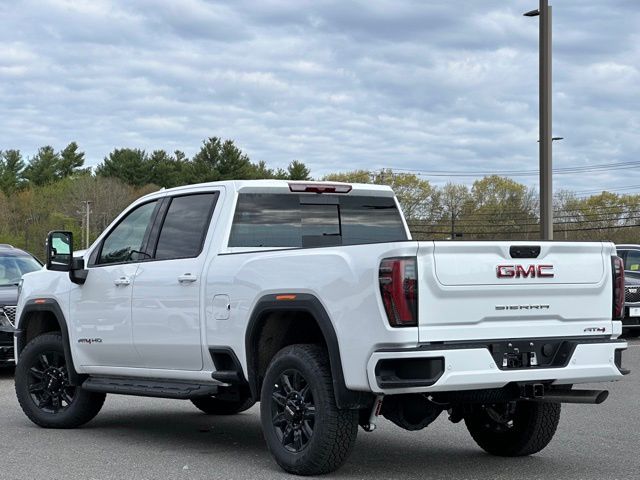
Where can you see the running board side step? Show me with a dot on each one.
(149, 388)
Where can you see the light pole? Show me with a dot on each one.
(546, 183)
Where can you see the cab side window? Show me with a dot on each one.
(126, 241)
(185, 226)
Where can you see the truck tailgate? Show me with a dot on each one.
(478, 291)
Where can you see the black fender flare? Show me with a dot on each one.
(49, 305)
(345, 398)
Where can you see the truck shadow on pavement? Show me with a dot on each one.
(383, 454)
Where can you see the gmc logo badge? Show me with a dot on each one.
(520, 271)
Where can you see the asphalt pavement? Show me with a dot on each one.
(138, 438)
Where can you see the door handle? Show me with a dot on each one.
(187, 278)
(122, 281)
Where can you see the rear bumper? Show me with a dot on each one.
(455, 367)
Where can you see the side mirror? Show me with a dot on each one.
(60, 251)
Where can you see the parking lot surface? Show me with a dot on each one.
(139, 438)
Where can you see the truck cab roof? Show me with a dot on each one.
(279, 186)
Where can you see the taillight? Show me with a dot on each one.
(617, 267)
(399, 289)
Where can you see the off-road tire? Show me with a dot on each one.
(215, 406)
(84, 405)
(534, 425)
(334, 430)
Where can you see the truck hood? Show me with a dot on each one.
(8, 295)
(631, 279)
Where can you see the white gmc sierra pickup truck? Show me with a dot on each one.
(312, 299)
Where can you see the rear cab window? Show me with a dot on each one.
(289, 220)
(185, 226)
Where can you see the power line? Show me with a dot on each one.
(598, 190)
(593, 217)
(612, 216)
(514, 173)
(618, 192)
(511, 232)
(594, 209)
(461, 224)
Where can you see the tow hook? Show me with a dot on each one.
(370, 426)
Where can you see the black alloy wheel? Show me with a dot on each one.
(48, 383)
(293, 411)
(43, 388)
(306, 432)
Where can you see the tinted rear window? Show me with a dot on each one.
(185, 226)
(289, 220)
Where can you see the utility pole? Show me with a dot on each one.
(87, 213)
(453, 225)
(546, 183)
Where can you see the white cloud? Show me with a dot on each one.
(339, 85)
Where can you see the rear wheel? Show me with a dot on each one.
(43, 389)
(215, 406)
(513, 429)
(305, 431)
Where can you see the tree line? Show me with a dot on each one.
(217, 159)
(49, 191)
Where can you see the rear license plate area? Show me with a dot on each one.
(519, 359)
(523, 354)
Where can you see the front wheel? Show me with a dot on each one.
(513, 429)
(43, 390)
(304, 429)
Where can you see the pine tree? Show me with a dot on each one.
(11, 169)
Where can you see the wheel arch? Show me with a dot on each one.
(303, 304)
(40, 316)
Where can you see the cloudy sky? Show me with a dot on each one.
(411, 84)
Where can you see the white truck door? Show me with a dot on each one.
(101, 312)
(166, 291)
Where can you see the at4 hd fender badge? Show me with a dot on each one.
(89, 341)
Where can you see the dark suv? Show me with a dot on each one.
(631, 256)
(13, 264)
